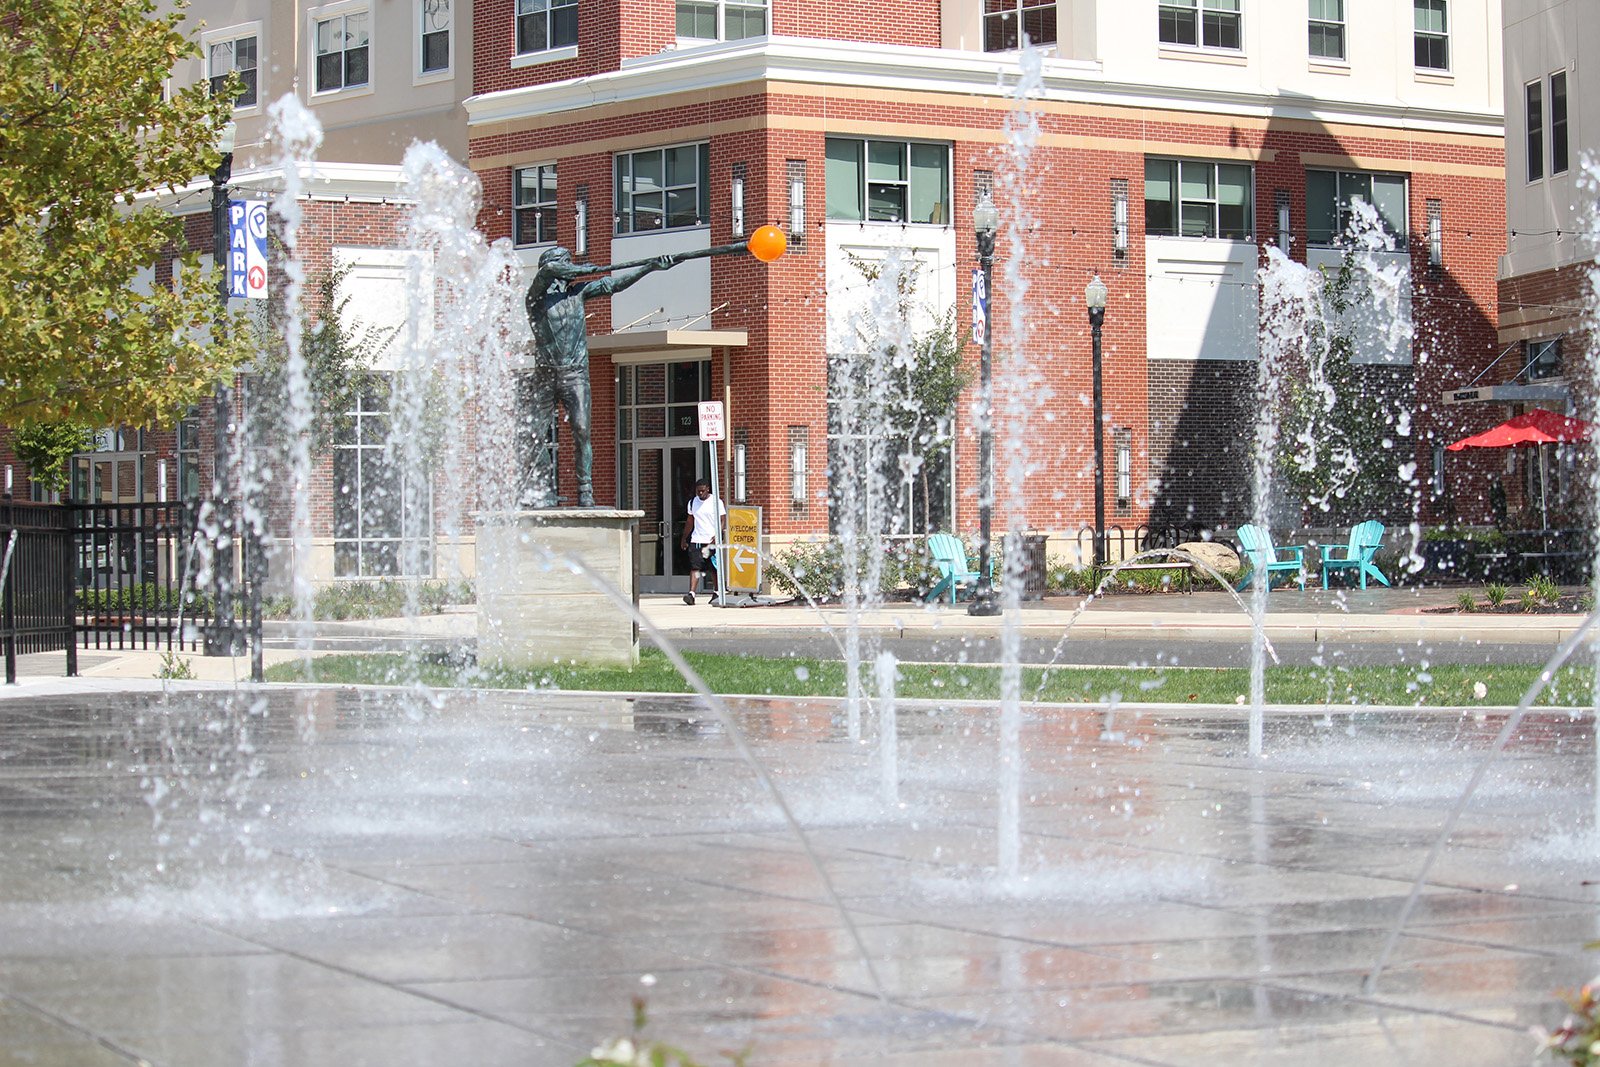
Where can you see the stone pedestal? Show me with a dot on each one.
(533, 609)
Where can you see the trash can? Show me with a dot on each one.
(1034, 565)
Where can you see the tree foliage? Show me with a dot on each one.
(47, 447)
(88, 128)
(1333, 431)
(337, 357)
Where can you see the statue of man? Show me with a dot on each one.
(555, 303)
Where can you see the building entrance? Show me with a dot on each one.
(660, 457)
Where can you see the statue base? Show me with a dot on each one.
(535, 611)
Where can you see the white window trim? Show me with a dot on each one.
(1550, 123)
(539, 245)
(722, 27)
(1528, 131)
(1343, 22)
(1200, 50)
(1445, 73)
(549, 55)
(234, 33)
(448, 71)
(322, 14)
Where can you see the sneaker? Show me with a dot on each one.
(715, 601)
(688, 598)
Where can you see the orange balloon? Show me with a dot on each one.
(767, 243)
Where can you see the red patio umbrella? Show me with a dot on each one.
(1537, 427)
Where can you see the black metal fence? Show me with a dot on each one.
(134, 574)
(100, 576)
(37, 612)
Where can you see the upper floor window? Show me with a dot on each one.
(1432, 34)
(1542, 359)
(888, 181)
(1533, 115)
(235, 56)
(534, 204)
(546, 24)
(434, 35)
(1201, 23)
(1558, 123)
(1007, 23)
(1197, 198)
(722, 20)
(342, 46)
(1329, 195)
(663, 188)
(1326, 29)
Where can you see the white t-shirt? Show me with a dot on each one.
(705, 513)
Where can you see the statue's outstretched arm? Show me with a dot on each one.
(615, 283)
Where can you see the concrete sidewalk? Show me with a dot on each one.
(1382, 616)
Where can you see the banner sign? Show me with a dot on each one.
(744, 544)
(980, 307)
(247, 249)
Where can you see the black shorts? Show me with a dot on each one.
(701, 557)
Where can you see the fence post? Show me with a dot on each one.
(8, 587)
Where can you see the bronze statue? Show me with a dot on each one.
(555, 303)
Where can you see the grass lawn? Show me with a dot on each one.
(1440, 686)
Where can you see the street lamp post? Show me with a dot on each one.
(222, 637)
(985, 220)
(1094, 298)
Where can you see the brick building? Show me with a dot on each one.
(1546, 296)
(1176, 139)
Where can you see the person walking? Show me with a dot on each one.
(699, 533)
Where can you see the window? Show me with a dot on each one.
(1006, 23)
(1197, 198)
(434, 35)
(1432, 34)
(1202, 23)
(342, 45)
(1533, 112)
(661, 399)
(369, 496)
(534, 204)
(236, 56)
(546, 24)
(722, 20)
(1542, 359)
(1329, 195)
(663, 188)
(1326, 27)
(888, 181)
(1558, 122)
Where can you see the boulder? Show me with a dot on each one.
(1216, 555)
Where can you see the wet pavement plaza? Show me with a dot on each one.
(332, 877)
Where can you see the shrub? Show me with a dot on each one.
(1496, 593)
(818, 568)
(1467, 603)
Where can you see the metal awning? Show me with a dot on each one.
(630, 345)
(1552, 392)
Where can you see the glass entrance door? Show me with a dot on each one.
(663, 481)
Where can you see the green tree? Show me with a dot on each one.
(337, 357)
(87, 128)
(1331, 431)
(47, 448)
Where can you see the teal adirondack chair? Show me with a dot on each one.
(949, 555)
(1365, 540)
(1263, 556)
